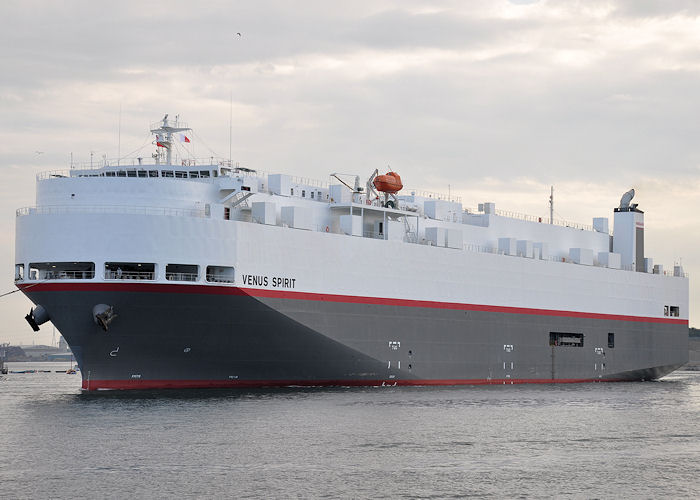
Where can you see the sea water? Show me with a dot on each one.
(605, 440)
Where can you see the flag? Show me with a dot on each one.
(160, 144)
(184, 138)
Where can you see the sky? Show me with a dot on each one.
(493, 100)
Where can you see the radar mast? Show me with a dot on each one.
(164, 131)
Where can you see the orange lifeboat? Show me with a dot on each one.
(389, 183)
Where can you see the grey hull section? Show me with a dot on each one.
(173, 338)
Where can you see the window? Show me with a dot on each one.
(204, 173)
(180, 174)
(142, 173)
(675, 311)
(303, 193)
(153, 173)
(167, 173)
(220, 274)
(611, 340)
(194, 175)
(130, 271)
(665, 310)
(110, 174)
(565, 339)
(227, 213)
(182, 272)
(19, 272)
(121, 173)
(312, 195)
(131, 173)
(62, 270)
(245, 188)
(292, 191)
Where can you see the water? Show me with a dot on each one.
(638, 440)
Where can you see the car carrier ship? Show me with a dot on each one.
(184, 273)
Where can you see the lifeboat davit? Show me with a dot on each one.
(389, 183)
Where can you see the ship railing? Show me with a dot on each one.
(306, 181)
(373, 235)
(214, 278)
(432, 195)
(470, 247)
(181, 276)
(534, 218)
(129, 275)
(63, 275)
(110, 209)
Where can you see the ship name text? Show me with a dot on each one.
(275, 281)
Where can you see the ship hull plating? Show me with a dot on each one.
(168, 335)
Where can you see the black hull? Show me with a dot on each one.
(220, 336)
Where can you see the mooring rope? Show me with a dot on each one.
(20, 289)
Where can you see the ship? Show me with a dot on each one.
(178, 272)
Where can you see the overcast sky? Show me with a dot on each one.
(496, 99)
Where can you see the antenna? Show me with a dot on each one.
(230, 125)
(551, 205)
(119, 142)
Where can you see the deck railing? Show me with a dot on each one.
(181, 276)
(218, 279)
(59, 275)
(110, 209)
(129, 275)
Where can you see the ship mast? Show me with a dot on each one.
(164, 136)
(551, 206)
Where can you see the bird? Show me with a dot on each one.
(239, 34)
(39, 152)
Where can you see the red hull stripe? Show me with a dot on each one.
(321, 297)
(137, 384)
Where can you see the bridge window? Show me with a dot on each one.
(130, 271)
(181, 272)
(61, 270)
(167, 173)
(142, 173)
(194, 175)
(180, 174)
(121, 173)
(110, 174)
(565, 339)
(131, 173)
(220, 274)
(204, 173)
